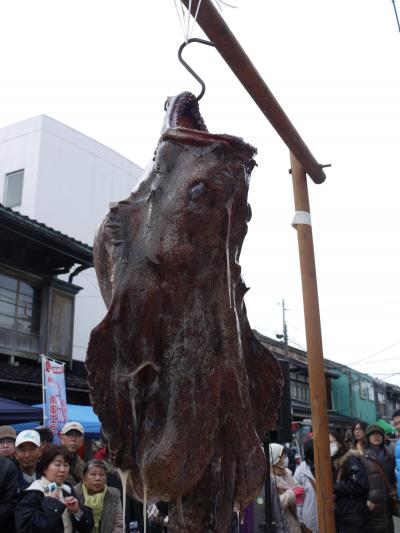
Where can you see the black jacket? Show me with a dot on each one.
(380, 487)
(37, 513)
(351, 492)
(8, 494)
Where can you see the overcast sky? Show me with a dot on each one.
(105, 68)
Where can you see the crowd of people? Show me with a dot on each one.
(49, 488)
(366, 482)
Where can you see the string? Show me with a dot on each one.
(180, 17)
(184, 19)
(195, 15)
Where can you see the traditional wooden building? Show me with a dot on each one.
(297, 383)
(37, 300)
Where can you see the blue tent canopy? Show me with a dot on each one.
(11, 412)
(76, 413)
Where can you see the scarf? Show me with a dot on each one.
(95, 502)
(278, 470)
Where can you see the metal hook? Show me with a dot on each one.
(192, 72)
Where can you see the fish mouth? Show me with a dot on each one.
(183, 111)
(184, 124)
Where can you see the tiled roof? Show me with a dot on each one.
(32, 373)
(9, 216)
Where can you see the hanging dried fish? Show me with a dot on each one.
(183, 389)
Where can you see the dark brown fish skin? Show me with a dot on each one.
(183, 389)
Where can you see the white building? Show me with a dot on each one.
(64, 179)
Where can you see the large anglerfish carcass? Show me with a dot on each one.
(183, 389)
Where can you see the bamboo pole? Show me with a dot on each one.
(316, 372)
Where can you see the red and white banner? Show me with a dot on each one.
(55, 411)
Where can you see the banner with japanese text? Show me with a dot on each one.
(55, 410)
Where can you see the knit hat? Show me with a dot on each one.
(275, 452)
(374, 428)
(7, 432)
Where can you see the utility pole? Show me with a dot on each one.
(284, 335)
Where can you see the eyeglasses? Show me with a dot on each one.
(6, 442)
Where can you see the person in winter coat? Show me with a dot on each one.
(350, 487)
(382, 483)
(8, 494)
(48, 505)
(104, 501)
(396, 423)
(285, 485)
(305, 476)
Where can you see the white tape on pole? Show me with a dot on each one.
(301, 217)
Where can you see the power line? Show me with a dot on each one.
(380, 361)
(385, 374)
(292, 341)
(376, 353)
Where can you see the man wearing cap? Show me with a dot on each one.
(27, 454)
(7, 441)
(72, 438)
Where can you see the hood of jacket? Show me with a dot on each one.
(340, 461)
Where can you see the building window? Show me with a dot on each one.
(363, 390)
(300, 391)
(381, 398)
(19, 305)
(13, 188)
(61, 324)
(371, 394)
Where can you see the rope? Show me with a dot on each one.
(184, 18)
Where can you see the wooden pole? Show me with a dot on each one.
(323, 470)
(302, 162)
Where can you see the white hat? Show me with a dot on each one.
(69, 426)
(28, 435)
(275, 452)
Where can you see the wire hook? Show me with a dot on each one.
(189, 69)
